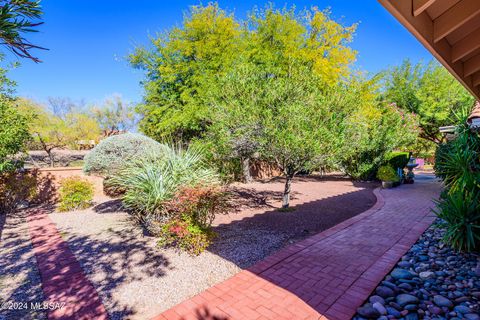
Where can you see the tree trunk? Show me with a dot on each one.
(286, 193)
(247, 177)
(50, 156)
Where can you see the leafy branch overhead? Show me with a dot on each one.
(18, 17)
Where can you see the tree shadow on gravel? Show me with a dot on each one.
(250, 239)
(115, 259)
(110, 206)
(19, 277)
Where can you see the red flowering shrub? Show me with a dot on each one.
(192, 211)
(198, 204)
(185, 236)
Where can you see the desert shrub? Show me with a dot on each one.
(198, 204)
(113, 154)
(15, 188)
(176, 189)
(461, 212)
(13, 134)
(185, 236)
(149, 182)
(387, 173)
(458, 164)
(398, 160)
(75, 193)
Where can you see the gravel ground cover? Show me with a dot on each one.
(430, 282)
(20, 282)
(138, 280)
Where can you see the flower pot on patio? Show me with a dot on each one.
(388, 184)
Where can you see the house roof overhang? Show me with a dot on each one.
(449, 29)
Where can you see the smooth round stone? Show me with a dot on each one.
(426, 274)
(472, 316)
(441, 301)
(384, 292)
(389, 284)
(435, 310)
(404, 299)
(395, 305)
(383, 318)
(404, 264)
(461, 299)
(411, 307)
(405, 286)
(461, 309)
(392, 311)
(368, 311)
(380, 308)
(411, 316)
(399, 273)
(374, 299)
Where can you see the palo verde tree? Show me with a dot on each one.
(18, 17)
(430, 92)
(301, 122)
(180, 68)
(50, 132)
(114, 116)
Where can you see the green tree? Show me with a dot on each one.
(18, 17)
(300, 123)
(13, 133)
(430, 92)
(115, 116)
(51, 132)
(179, 71)
(372, 129)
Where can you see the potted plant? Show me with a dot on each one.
(388, 176)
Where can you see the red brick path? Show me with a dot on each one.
(328, 275)
(63, 280)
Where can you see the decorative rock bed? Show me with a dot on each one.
(431, 281)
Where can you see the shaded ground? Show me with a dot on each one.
(137, 280)
(20, 281)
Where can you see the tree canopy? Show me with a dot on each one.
(430, 92)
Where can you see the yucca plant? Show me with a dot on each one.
(461, 212)
(458, 164)
(149, 182)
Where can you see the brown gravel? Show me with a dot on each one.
(137, 280)
(20, 282)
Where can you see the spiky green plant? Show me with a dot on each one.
(149, 182)
(461, 212)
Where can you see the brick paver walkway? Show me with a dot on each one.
(328, 275)
(63, 280)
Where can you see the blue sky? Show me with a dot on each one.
(88, 41)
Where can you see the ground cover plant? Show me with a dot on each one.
(75, 193)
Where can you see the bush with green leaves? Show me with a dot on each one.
(13, 134)
(114, 153)
(388, 174)
(75, 193)
(398, 160)
(458, 164)
(174, 187)
(153, 179)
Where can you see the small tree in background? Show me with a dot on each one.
(50, 132)
(430, 92)
(115, 116)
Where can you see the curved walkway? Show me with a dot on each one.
(328, 275)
